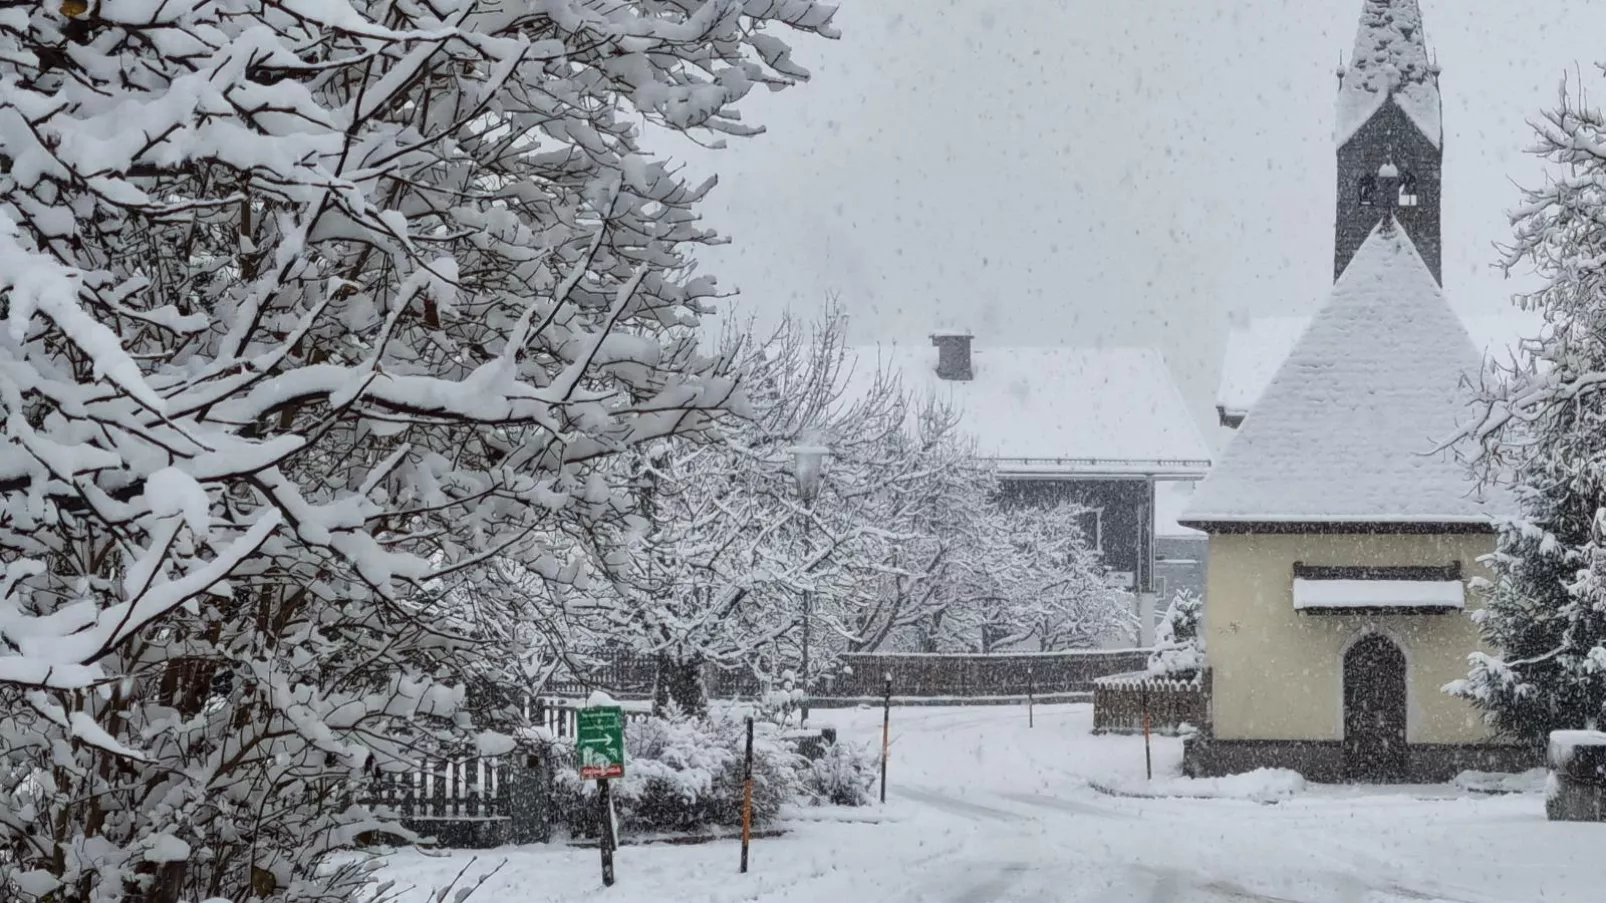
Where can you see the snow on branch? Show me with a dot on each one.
(316, 313)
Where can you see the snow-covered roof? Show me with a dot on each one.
(1254, 351)
(1257, 347)
(1056, 410)
(1330, 594)
(1390, 60)
(1347, 427)
(1171, 498)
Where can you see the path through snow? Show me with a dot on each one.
(983, 808)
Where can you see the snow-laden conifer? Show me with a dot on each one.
(1544, 429)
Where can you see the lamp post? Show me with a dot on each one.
(808, 467)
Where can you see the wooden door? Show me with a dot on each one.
(1375, 700)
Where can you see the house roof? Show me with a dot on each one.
(1346, 430)
(1055, 410)
(1171, 498)
(1390, 62)
(1254, 351)
(1257, 347)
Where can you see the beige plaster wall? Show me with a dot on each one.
(1278, 674)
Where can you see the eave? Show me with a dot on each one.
(1100, 468)
(1338, 527)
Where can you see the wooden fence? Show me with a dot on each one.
(486, 801)
(561, 716)
(1121, 701)
(1004, 674)
(461, 802)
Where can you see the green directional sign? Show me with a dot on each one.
(600, 739)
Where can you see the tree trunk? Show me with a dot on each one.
(680, 680)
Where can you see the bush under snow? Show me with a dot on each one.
(685, 772)
(843, 776)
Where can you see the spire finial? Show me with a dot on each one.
(1390, 61)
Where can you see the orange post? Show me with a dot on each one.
(747, 796)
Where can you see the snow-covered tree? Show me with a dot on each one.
(938, 507)
(740, 546)
(1019, 574)
(316, 310)
(1544, 431)
(1179, 642)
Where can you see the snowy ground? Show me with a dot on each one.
(983, 809)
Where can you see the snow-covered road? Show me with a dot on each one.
(982, 808)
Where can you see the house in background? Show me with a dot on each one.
(1097, 426)
(1341, 540)
(1179, 552)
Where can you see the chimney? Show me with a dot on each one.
(1388, 191)
(953, 355)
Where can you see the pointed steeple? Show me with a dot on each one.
(1389, 115)
(1390, 61)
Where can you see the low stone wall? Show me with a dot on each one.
(851, 702)
(1002, 674)
(1577, 786)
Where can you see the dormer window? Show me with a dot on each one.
(1366, 192)
(1408, 195)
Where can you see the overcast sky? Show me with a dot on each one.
(1088, 172)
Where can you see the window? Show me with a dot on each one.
(1092, 524)
(1367, 191)
(1408, 195)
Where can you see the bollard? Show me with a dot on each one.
(1148, 756)
(1031, 718)
(747, 794)
(886, 733)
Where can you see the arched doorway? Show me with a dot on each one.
(1375, 699)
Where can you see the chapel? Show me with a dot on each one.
(1343, 538)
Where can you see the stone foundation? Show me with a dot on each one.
(1323, 761)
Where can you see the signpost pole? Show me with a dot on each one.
(747, 794)
(599, 739)
(886, 733)
(608, 840)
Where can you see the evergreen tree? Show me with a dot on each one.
(1542, 431)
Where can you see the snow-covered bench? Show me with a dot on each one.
(1576, 790)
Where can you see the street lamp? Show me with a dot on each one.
(808, 467)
